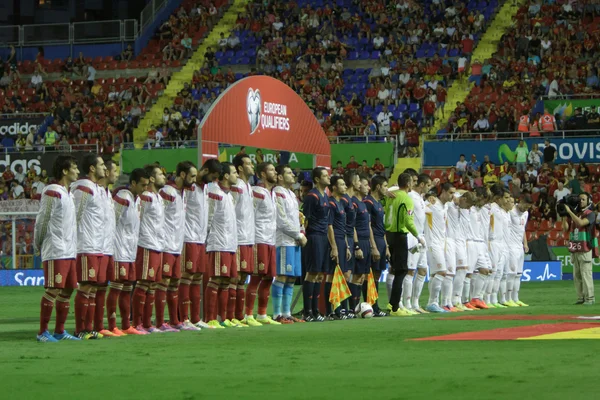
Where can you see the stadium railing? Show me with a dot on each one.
(20, 215)
(482, 136)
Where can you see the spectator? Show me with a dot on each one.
(461, 165)
(535, 156)
(543, 182)
(549, 153)
(127, 54)
(91, 75)
(16, 192)
(482, 124)
(50, 138)
(506, 179)
(383, 121)
(352, 164)
(222, 42)
(378, 167)
(473, 165)
(19, 174)
(548, 123)
(490, 179)
(521, 154)
(233, 42)
(20, 143)
(339, 169)
(561, 192)
(186, 43)
(532, 173)
(583, 171)
(36, 80)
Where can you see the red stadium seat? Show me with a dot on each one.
(545, 226)
(555, 235)
(561, 242)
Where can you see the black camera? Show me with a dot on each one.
(572, 201)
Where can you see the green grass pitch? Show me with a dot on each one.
(332, 360)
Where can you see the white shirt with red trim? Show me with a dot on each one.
(90, 209)
(152, 221)
(221, 221)
(288, 217)
(196, 214)
(109, 223)
(55, 232)
(265, 217)
(244, 212)
(127, 216)
(174, 219)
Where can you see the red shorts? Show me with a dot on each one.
(119, 271)
(60, 274)
(194, 258)
(105, 262)
(245, 255)
(265, 261)
(171, 265)
(222, 264)
(88, 267)
(148, 265)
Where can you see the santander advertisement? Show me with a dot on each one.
(263, 112)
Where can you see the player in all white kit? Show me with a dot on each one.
(452, 235)
(462, 280)
(518, 247)
(54, 238)
(168, 289)
(508, 205)
(121, 273)
(246, 236)
(477, 248)
(194, 256)
(497, 244)
(435, 236)
(486, 215)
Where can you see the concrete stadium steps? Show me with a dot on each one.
(459, 89)
(153, 116)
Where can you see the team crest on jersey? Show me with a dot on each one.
(151, 273)
(189, 265)
(288, 268)
(223, 269)
(58, 278)
(166, 268)
(261, 266)
(122, 271)
(92, 273)
(243, 264)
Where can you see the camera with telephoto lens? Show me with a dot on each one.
(572, 201)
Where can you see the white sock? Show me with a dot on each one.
(510, 284)
(478, 284)
(495, 288)
(261, 316)
(466, 293)
(435, 286)
(389, 279)
(447, 291)
(502, 289)
(459, 281)
(515, 293)
(407, 289)
(417, 289)
(489, 284)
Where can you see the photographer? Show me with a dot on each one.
(579, 219)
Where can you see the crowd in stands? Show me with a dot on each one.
(552, 50)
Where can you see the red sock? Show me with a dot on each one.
(184, 299)
(111, 304)
(239, 303)
(205, 280)
(251, 293)
(125, 306)
(99, 312)
(148, 306)
(91, 312)
(160, 303)
(81, 306)
(173, 303)
(139, 301)
(62, 311)
(46, 305)
(263, 295)
(223, 301)
(231, 302)
(195, 301)
(211, 302)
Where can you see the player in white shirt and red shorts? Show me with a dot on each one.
(149, 260)
(91, 272)
(54, 238)
(221, 243)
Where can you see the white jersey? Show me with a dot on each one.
(174, 219)
(475, 231)
(507, 231)
(418, 211)
(244, 212)
(221, 221)
(265, 215)
(464, 224)
(90, 206)
(55, 232)
(109, 223)
(435, 229)
(152, 221)
(486, 214)
(127, 229)
(498, 223)
(518, 222)
(452, 222)
(196, 214)
(288, 217)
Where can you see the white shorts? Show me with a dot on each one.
(461, 253)
(418, 259)
(450, 256)
(477, 255)
(496, 254)
(436, 259)
(516, 258)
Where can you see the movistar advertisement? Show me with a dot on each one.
(442, 154)
(566, 108)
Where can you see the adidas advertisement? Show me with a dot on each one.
(13, 127)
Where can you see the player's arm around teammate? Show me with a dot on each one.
(55, 238)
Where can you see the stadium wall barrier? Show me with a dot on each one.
(445, 153)
(566, 108)
(14, 126)
(342, 152)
